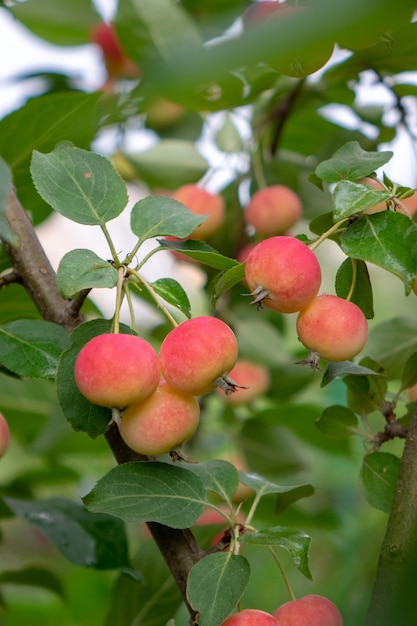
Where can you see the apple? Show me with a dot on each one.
(253, 381)
(273, 210)
(283, 274)
(118, 65)
(311, 610)
(250, 617)
(4, 435)
(372, 182)
(115, 370)
(197, 355)
(161, 423)
(202, 202)
(333, 327)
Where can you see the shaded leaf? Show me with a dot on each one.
(409, 375)
(386, 239)
(227, 280)
(200, 251)
(32, 348)
(215, 585)
(149, 492)
(361, 295)
(5, 184)
(81, 185)
(286, 495)
(88, 539)
(34, 577)
(337, 421)
(392, 342)
(156, 216)
(344, 368)
(379, 475)
(84, 269)
(228, 137)
(296, 542)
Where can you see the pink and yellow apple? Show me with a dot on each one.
(333, 327)
(197, 354)
(202, 202)
(250, 617)
(283, 274)
(311, 610)
(162, 422)
(115, 370)
(253, 381)
(4, 435)
(273, 210)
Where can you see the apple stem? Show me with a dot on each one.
(154, 295)
(110, 244)
(283, 572)
(130, 305)
(119, 297)
(314, 244)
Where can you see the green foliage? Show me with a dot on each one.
(293, 451)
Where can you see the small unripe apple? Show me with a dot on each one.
(4, 435)
(311, 610)
(198, 354)
(333, 327)
(202, 202)
(283, 274)
(250, 617)
(115, 370)
(273, 210)
(252, 380)
(165, 420)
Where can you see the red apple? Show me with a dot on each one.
(311, 610)
(165, 420)
(253, 381)
(333, 327)
(273, 210)
(4, 435)
(198, 354)
(202, 202)
(118, 65)
(116, 370)
(250, 617)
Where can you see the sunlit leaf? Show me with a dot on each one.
(84, 269)
(351, 162)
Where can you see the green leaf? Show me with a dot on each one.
(5, 184)
(61, 23)
(337, 421)
(154, 601)
(379, 475)
(88, 539)
(345, 368)
(83, 269)
(351, 162)
(227, 280)
(157, 216)
(32, 348)
(355, 271)
(386, 239)
(169, 164)
(173, 293)
(228, 138)
(34, 577)
(149, 492)
(350, 198)
(409, 375)
(286, 495)
(81, 185)
(46, 120)
(392, 342)
(296, 542)
(215, 585)
(218, 476)
(80, 413)
(200, 251)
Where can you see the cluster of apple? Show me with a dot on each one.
(284, 274)
(311, 610)
(155, 395)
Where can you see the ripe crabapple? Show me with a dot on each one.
(197, 354)
(4, 435)
(250, 617)
(333, 327)
(202, 202)
(253, 380)
(311, 610)
(118, 65)
(306, 63)
(273, 210)
(283, 274)
(116, 370)
(162, 422)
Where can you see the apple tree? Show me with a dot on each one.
(208, 411)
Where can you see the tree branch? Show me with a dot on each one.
(393, 598)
